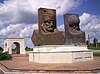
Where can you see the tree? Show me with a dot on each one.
(1, 49)
(28, 49)
(95, 40)
(88, 43)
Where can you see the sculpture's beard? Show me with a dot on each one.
(50, 29)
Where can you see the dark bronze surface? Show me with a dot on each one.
(48, 39)
(73, 34)
(48, 34)
(47, 20)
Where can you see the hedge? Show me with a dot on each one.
(5, 56)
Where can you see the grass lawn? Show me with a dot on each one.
(96, 54)
(94, 48)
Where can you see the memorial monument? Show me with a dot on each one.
(54, 46)
(73, 33)
(47, 33)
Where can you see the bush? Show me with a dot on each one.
(1, 49)
(5, 56)
(28, 49)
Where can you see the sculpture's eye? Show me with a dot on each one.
(49, 22)
(44, 11)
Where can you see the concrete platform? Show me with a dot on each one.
(21, 65)
(60, 54)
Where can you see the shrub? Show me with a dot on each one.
(5, 56)
(28, 49)
(1, 49)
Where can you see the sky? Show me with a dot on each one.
(19, 17)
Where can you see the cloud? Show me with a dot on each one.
(10, 29)
(27, 31)
(14, 12)
(90, 24)
(61, 27)
(88, 20)
(28, 42)
(25, 11)
(1, 25)
(20, 16)
(21, 30)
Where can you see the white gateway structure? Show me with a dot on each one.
(18, 41)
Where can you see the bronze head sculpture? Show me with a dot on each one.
(73, 34)
(47, 20)
(48, 34)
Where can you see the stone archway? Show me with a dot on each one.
(17, 49)
(19, 42)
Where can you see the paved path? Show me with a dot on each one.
(22, 64)
(1, 72)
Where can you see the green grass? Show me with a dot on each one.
(96, 54)
(29, 49)
(94, 48)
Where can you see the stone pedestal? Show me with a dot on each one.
(60, 54)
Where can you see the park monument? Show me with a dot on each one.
(54, 46)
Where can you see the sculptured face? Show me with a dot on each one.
(48, 26)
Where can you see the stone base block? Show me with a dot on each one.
(61, 56)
